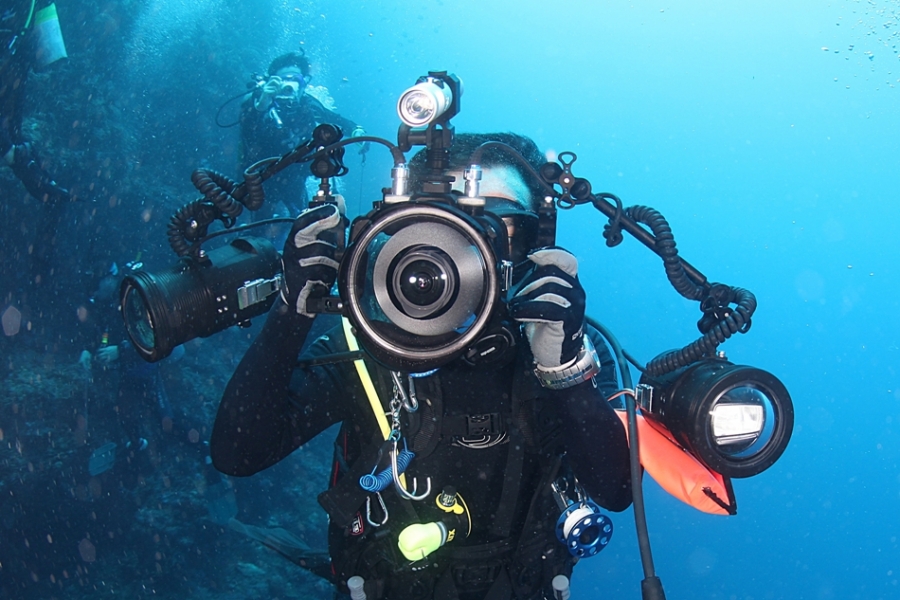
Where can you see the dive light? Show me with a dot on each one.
(735, 419)
(425, 102)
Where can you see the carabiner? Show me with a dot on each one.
(369, 510)
(402, 491)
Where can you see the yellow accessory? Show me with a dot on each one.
(368, 385)
(418, 541)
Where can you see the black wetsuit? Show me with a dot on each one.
(17, 53)
(14, 63)
(265, 134)
(269, 409)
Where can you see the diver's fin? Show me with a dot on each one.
(221, 503)
(102, 459)
(289, 546)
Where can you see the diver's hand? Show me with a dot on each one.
(108, 354)
(270, 89)
(359, 132)
(550, 302)
(309, 264)
(27, 167)
(85, 360)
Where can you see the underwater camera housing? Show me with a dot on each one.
(425, 274)
(422, 283)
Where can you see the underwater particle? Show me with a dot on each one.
(82, 313)
(146, 215)
(11, 321)
(824, 48)
(87, 550)
(849, 266)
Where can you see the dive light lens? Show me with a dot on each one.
(423, 103)
(741, 421)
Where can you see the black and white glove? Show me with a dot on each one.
(309, 264)
(550, 302)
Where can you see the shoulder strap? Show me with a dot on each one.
(366, 379)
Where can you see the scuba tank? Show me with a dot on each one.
(49, 46)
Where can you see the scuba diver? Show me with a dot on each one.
(117, 373)
(494, 440)
(278, 114)
(30, 37)
(482, 414)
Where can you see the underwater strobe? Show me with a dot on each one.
(735, 419)
(198, 297)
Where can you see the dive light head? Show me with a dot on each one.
(429, 99)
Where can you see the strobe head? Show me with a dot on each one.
(199, 297)
(421, 282)
(735, 419)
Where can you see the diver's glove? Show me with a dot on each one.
(309, 264)
(27, 167)
(358, 131)
(550, 302)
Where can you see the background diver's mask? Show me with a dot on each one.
(426, 283)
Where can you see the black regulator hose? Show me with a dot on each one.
(651, 585)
